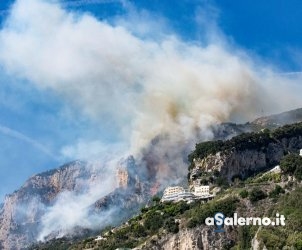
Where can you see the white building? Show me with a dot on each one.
(201, 191)
(173, 190)
(300, 152)
(178, 193)
(172, 193)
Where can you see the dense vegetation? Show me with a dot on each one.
(197, 215)
(292, 164)
(290, 235)
(253, 140)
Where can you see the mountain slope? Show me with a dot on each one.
(19, 217)
(181, 225)
(22, 214)
(246, 154)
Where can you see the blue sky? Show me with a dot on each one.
(36, 123)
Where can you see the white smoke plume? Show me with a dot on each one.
(73, 210)
(151, 86)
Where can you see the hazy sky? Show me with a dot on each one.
(44, 122)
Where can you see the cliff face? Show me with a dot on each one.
(21, 213)
(198, 238)
(21, 216)
(243, 163)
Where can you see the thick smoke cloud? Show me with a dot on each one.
(165, 85)
(154, 86)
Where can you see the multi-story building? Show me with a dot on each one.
(171, 193)
(201, 191)
(178, 193)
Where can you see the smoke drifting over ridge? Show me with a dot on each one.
(157, 89)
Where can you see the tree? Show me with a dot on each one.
(256, 194)
(290, 163)
(171, 226)
(156, 199)
(275, 193)
(154, 221)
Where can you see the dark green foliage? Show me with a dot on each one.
(205, 148)
(244, 193)
(290, 235)
(138, 230)
(246, 141)
(249, 141)
(241, 142)
(245, 236)
(156, 199)
(171, 226)
(276, 192)
(290, 206)
(175, 209)
(256, 194)
(288, 131)
(144, 209)
(298, 173)
(200, 212)
(154, 221)
(290, 163)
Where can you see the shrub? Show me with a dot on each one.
(154, 221)
(244, 193)
(155, 200)
(256, 194)
(139, 230)
(144, 209)
(171, 226)
(298, 172)
(290, 163)
(275, 193)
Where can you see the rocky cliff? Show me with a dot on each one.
(22, 210)
(198, 238)
(246, 155)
